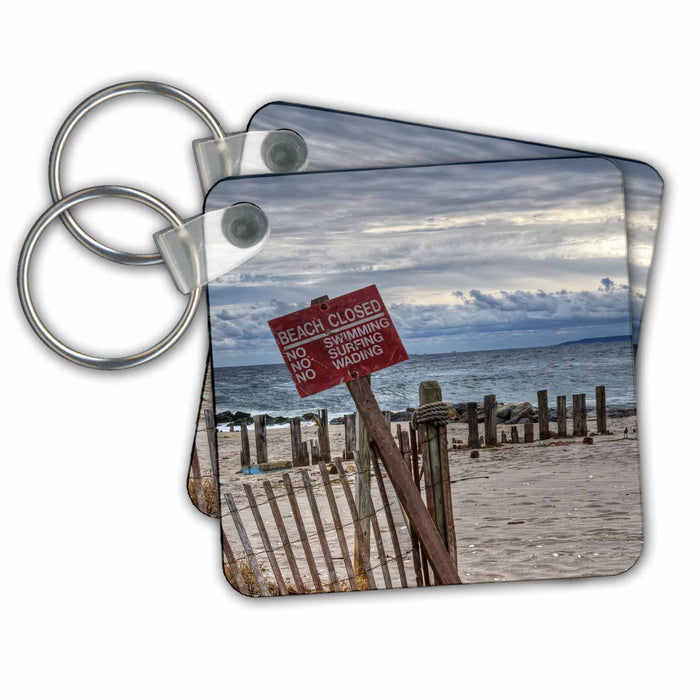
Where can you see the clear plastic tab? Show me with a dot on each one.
(249, 153)
(210, 245)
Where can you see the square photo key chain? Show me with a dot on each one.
(371, 298)
(329, 140)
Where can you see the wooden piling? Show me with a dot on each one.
(579, 411)
(245, 445)
(260, 424)
(473, 425)
(324, 437)
(490, 419)
(543, 414)
(601, 413)
(300, 450)
(350, 435)
(561, 416)
(529, 432)
(514, 437)
(504, 438)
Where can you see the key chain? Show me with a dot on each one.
(183, 251)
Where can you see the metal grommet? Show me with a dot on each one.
(30, 312)
(108, 93)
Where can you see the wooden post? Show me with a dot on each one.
(514, 437)
(314, 452)
(490, 419)
(245, 446)
(362, 464)
(387, 418)
(543, 414)
(473, 424)
(601, 413)
(406, 491)
(324, 437)
(504, 438)
(579, 410)
(561, 416)
(260, 423)
(300, 451)
(420, 562)
(529, 432)
(350, 435)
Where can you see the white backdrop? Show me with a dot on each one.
(112, 582)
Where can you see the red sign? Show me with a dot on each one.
(338, 340)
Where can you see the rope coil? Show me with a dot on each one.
(436, 412)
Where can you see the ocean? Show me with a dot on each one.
(512, 375)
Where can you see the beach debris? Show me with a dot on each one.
(516, 522)
(474, 453)
(588, 440)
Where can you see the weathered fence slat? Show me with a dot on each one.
(284, 536)
(361, 546)
(514, 437)
(529, 432)
(245, 445)
(316, 515)
(247, 547)
(601, 410)
(490, 419)
(389, 518)
(200, 500)
(262, 530)
(365, 487)
(504, 437)
(338, 524)
(241, 585)
(350, 435)
(561, 416)
(314, 451)
(579, 411)
(543, 414)
(260, 424)
(296, 513)
(324, 436)
(210, 423)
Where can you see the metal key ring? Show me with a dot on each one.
(35, 321)
(100, 97)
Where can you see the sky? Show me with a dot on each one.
(466, 257)
(338, 140)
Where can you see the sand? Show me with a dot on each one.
(556, 508)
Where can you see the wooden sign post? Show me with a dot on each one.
(344, 340)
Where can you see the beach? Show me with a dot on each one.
(554, 508)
